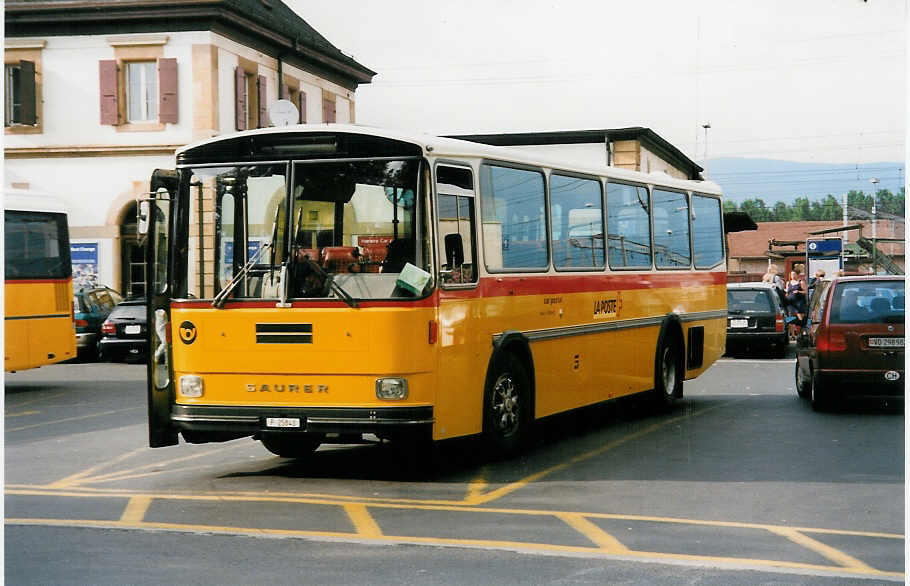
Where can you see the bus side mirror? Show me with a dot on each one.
(454, 250)
(142, 218)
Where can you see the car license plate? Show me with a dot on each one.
(282, 422)
(132, 329)
(886, 342)
(739, 323)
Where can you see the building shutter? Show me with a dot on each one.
(301, 105)
(240, 98)
(167, 91)
(263, 106)
(110, 112)
(284, 92)
(328, 110)
(28, 106)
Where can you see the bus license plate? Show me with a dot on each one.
(282, 422)
(886, 342)
(132, 329)
(739, 323)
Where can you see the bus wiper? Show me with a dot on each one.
(218, 301)
(338, 289)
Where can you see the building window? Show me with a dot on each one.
(19, 97)
(141, 92)
(138, 92)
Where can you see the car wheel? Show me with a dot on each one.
(802, 385)
(291, 445)
(817, 395)
(667, 373)
(507, 406)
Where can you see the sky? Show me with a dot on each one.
(820, 81)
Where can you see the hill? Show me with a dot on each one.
(774, 180)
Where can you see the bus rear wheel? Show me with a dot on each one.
(507, 406)
(291, 445)
(668, 375)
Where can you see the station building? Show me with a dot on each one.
(98, 94)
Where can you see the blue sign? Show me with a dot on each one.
(252, 249)
(824, 246)
(84, 257)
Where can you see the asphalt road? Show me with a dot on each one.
(740, 483)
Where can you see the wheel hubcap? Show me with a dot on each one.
(505, 405)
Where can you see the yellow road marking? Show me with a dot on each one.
(512, 487)
(835, 555)
(74, 479)
(315, 499)
(36, 400)
(476, 486)
(604, 540)
(136, 509)
(65, 419)
(23, 414)
(363, 521)
(498, 544)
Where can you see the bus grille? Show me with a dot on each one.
(284, 333)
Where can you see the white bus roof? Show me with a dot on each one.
(440, 147)
(27, 200)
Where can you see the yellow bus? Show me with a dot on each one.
(312, 284)
(38, 285)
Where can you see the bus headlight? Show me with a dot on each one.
(191, 385)
(392, 388)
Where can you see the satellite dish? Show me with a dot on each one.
(283, 113)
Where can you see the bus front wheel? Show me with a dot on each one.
(291, 445)
(507, 406)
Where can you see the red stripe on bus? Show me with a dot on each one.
(549, 285)
(429, 301)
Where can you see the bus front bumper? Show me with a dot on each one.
(344, 420)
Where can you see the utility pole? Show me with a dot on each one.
(706, 126)
(874, 182)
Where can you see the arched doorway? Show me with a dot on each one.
(132, 259)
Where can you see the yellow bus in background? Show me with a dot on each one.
(313, 284)
(38, 282)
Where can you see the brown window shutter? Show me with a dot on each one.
(240, 99)
(110, 111)
(328, 110)
(167, 91)
(301, 99)
(263, 106)
(28, 106)
(284, 92)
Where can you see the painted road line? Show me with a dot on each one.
(74, 479)
(524, 547)
(79, 418)
(477, 486)
(604, 540)
(36, 400)
(363, 522)
(835, 555)
(136, 509)
(512, 487)
(23, 414)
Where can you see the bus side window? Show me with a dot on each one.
(456, 228)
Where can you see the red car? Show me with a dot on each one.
(853, 342)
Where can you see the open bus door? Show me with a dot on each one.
(155, 218)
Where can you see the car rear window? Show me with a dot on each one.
(868, 302)
(129, 311)
(749, 300)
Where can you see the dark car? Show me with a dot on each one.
(853, 342)
(91, 307)
(755, 318)
(124, 332)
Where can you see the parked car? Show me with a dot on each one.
(853, 342)
(755, 318)
(124, 332)
(91, 306)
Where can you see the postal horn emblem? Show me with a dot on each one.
(187, 332)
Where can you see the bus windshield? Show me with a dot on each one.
(348, 231)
